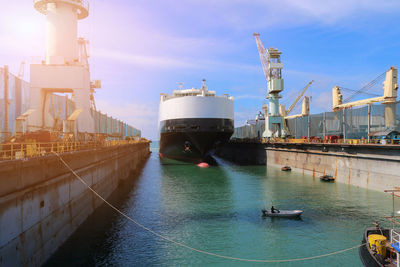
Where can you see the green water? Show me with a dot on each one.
(218, 210)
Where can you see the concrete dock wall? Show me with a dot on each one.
(371, 167)
(42, 203)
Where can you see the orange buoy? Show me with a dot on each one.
(203, 165)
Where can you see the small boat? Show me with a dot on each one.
(327, 178)
(377, 250)
(286, 169)
(282, 213)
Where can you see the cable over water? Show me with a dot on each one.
(196, 249)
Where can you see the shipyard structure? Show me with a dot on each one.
(60, 95)
(51, 133)
(357, 142)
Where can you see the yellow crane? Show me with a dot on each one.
(305, 107)
(306, 99)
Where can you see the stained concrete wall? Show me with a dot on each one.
(42, 204)
(376, 168)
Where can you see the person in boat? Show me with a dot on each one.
(273, 210)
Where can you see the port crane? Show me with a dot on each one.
(305, 111)
(305, 105)
(390, 87)
(272, 68)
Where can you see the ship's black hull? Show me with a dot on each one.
(193, 140)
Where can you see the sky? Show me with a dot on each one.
(142, 48)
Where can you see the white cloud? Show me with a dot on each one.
(239, 97)
(322, 102)
(332, 11)
(244, 14)
(143, 60)
(170, 61)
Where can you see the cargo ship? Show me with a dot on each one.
(193, 122)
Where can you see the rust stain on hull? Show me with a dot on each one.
(349, 175)
(335, 170)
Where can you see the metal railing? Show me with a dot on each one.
(83, 5)
(11, 151)
(336, 141)
(395, 238)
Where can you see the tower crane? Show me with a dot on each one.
(272, 68)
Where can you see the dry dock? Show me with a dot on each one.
(375, 167)
(42, 203)
(370, 166)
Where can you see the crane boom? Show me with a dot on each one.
(390, 87)
(366, 87)
(263, 55)
(298, 98)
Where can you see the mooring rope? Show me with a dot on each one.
(196, 249)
